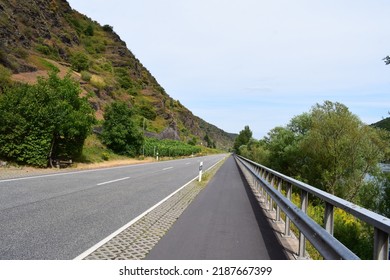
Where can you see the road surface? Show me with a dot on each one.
(59, 216)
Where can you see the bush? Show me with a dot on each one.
(5, 77)
(120, 133)
(97, 82)
(108, 28)
(86, 76)
(46, 120)
(147, 112)
(79, 62)
(89, 30)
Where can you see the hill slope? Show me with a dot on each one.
(41, 35)
(384, 124)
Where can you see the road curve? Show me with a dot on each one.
(59, 216)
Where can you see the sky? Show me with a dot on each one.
(258, 62)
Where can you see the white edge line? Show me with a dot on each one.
(112, 235)
(112, 181)
(82, 171)
(74, 172)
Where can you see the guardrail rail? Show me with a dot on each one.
(270, 184)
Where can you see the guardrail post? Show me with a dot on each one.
(381, 245)
(277, 205)
(271, 202)
(253, 177)
(329, 218)
(287, 230)
(257, 184)
(302, 239)
(266, 196)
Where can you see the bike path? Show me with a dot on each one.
(224, 222)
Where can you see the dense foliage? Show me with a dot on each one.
(384, 124)
(46, 120)
(242, 139)
(331, 149)
(168, 148)
(120, 132)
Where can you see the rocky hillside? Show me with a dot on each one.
(39, 36)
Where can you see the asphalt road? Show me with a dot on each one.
(59, 216)
(224, 222)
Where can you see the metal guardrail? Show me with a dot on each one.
(270, 183)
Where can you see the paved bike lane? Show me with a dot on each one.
(223, 222)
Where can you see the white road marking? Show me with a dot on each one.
(167, 168)
(188, 163)
(113, 181)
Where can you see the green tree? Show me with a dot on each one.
(120, 132)
(284, 154)
(46, 120)
(209, 142)
(340, 150)
(79, 61)
(256, 151)
(242, 139)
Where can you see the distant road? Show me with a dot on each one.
(59, 216)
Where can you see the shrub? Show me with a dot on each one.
(79, 62)
(120, 132)
(147, 112)
(89, 30)
(46, 120)
(5, 77)
(97, 82)
(108, 28)
(86, 76)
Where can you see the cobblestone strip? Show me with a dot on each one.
(135, 242)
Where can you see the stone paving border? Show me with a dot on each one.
(135, 241)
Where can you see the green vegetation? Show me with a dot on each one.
(169, 148)
(242, 139)
(5, 76)
(331, 149)
(58, 38)
(383, 124)
(120, 133)
(42, 121)
(79, 61)
(95, 151)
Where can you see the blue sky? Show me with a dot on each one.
(258, 62)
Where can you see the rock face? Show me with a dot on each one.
(46, 34)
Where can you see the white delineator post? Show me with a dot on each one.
(200, 171)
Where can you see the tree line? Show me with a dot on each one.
(331, 149)
(49, 120)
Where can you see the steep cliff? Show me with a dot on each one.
(39, 36)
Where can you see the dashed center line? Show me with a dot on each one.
(188, 163)
(113, 181)
(167, 168)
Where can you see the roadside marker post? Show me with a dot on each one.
(200, 171)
